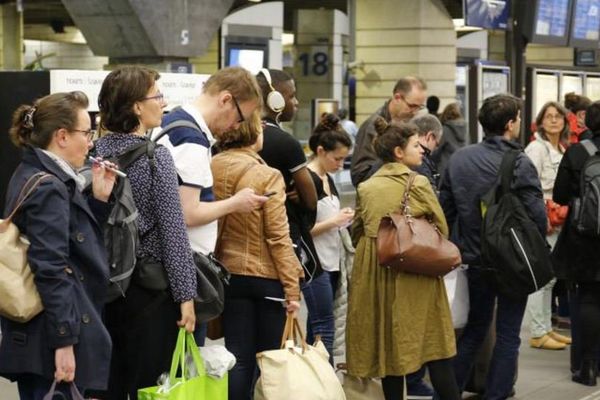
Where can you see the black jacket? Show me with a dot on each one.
(69, 261)
(364, 160)
(575, 257)
(453, 138)
(471, 173)
(429, 169)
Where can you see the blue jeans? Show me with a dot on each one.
(251, 324)
(318, 295)
(509, 316)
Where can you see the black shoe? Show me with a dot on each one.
(587, 374)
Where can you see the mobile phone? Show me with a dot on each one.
(269, 194)
(277, 299)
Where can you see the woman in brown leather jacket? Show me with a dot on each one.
(258, 252)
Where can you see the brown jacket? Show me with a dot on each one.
(256, 243)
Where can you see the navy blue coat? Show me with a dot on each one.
(471, 173)
(69, 261)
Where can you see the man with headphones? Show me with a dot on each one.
(283, 152)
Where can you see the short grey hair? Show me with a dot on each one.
(428, 123)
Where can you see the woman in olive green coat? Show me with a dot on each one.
(397, 321)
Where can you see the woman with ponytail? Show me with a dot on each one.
(67, 341)
(397, 321)
(330, 145)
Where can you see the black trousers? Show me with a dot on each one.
(589, 319)
(144, 330)
(251, 324)
(442, 377)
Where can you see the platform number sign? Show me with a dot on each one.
(314, 63)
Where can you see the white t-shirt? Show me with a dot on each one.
(191, 151)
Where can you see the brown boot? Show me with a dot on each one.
(546, 343)
(559, 338)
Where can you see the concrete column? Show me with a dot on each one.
(535, 53)
(394, 39)
(208, 63)
(321, 38)
(11, 37)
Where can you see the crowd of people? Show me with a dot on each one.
(221, 176)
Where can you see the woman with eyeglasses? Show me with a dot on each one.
(144, 323)
(67, 341)
(546, 152)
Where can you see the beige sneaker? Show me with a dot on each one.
(546, 343)
(559, 338)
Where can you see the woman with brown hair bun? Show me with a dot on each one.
(257, 250)
(397, 321)
(67, 341)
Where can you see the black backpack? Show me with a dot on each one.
(585, 209)
(121, 235)
(514, 254)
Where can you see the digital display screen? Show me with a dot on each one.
(586, 20)
(592, 87)
(552, 18)
(487, 14)
(494, 82)
(251, 59)
(546, 89)
(572, 84)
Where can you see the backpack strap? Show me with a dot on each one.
(589, 146)
(180, 123)
(507, 168)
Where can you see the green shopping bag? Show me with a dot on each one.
(199, 388)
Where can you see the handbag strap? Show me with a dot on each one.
(291, 331)
(185, 343)
(75, 395)
(32, 183)
(405, 207)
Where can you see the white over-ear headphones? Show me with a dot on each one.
(275, 100)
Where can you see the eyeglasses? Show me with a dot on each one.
(89, 134)
(239, 110)
(553, 116)
(159, 96)
(413, 106)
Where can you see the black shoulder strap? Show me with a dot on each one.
(180, 123)
(589, 146)
(507, 168)
(132, 153)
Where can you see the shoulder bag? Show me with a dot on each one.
(19, 297)
(412, 244)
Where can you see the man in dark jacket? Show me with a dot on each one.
(408, 98)
(471, 173)
(576, 258)
(430, 135)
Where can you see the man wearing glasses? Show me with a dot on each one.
(408, 98)
(228, 97)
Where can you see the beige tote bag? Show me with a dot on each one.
(298, 373)
(19, 298)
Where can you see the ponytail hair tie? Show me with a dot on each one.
(28, 118)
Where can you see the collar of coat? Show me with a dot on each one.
(38, 158)
(247, 152)
(502, 142)
(393, 169)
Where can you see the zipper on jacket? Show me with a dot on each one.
(512, 230)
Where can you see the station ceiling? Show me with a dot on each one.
(53, 13)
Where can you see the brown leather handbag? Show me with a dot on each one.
(414, 245)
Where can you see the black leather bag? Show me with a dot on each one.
(211, 277)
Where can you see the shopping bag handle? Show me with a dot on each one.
(75, 395)
(292, 331)
(185, 341)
